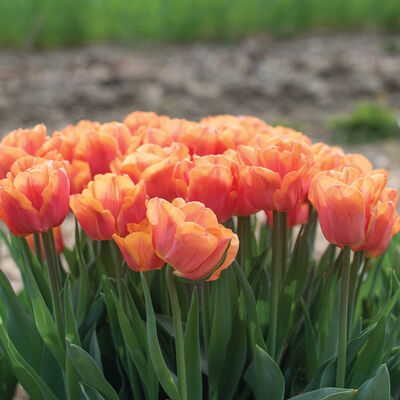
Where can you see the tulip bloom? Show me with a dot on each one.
(137, 247)
(188, 237)
(35, 200)
(274, 175)
(58, 241)
(8, 156)
(138, 119)
(385, 227)
(154, 165)
(29, 140)
(210, 180)
(122, 135)
(108, 205)
(346, 204)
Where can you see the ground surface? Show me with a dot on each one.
(303, 81)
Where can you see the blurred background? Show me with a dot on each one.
(328, 68)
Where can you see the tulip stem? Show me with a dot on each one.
(38, 248)
(52, 265)
(179, 343)
(355, 267)
(243, 228)
(205, 313)
(344, 304)
(284, 242)
(273, 314)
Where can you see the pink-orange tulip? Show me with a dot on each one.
(188, 237)
(274, 175)
(35, 200)
(137, 247)
(210, 180)
(346, 204)
(108, 205)
(29, 140)
(8, 156)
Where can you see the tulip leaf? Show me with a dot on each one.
(20, 326)
(29, 378)
(377, 387)
(265, 377)
(161, 369)
(192, 351)
(221, 329)
(255, 334)
(89, 371)
(327, 394)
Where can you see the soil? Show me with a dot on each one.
(303, 81)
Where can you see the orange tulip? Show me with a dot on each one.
(98, 149)
(137, 119)
(29, 140)
(346, 204)
(154, 165)
(108, 205)
(35, 200)
(296, 216)
(8, 156)
(122, 135)
(58, 241)
(137, 247)
(188, 237)
(385, 227)
(155, 136)
(210, 180)
(274, 175)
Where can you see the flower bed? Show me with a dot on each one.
(174, 288)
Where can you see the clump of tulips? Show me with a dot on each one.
(194, 273)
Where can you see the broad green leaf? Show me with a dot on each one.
(26, 375)
(326, 393)
(265, 377)
(192, 351)
(89, 371)
(161, 369)
(8, 381)
(377, 387)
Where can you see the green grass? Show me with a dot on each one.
(49, 23)
(367, 122)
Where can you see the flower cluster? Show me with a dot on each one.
(161, 188)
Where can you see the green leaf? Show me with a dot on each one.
(377, 387)
(8, 381)
(265, 377)
(161, 369)
(221, 329)
(253, 324)
(90, 372)
(20, 326)
(27, 375)
(327, 394)
(192, 351)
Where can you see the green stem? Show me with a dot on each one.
(273, 314)
(355, 267)
(284, 242)
(344, 304)
(52, 265)
(243, 228)
(179, 346)
(38, 248)
(117, 265)
(205, 313)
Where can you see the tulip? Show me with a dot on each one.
(210, 180)
(108, 205)
(137, 247)
(122, 135)
(8, 156)
(138, 119)
(29, 140)
(154, 165)
(385, 227)
(188, 237)
(35, 200)
(274, 175)
(346, 204)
